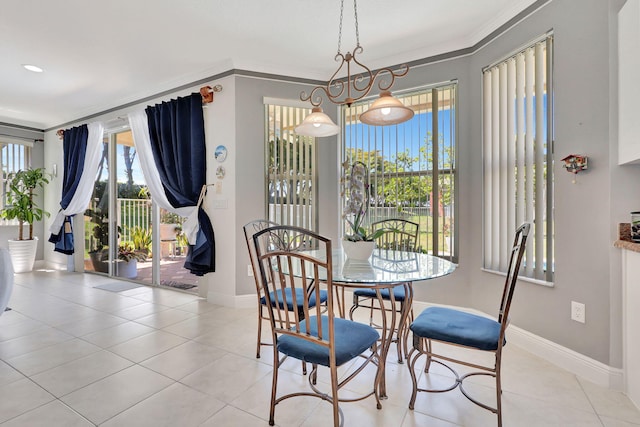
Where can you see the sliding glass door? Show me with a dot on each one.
(120, 231)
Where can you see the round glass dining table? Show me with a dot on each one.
(386, 269)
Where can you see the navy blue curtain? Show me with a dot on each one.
(176, 132)
(74, 147)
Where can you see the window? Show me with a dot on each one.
(518, 158)
(15, 156)
(290, 168)
(411, 165)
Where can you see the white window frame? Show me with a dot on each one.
(15, 156)
(518, 153)
(435, 167)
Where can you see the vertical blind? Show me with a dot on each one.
(518, 158)
(291, 168)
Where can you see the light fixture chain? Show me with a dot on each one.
(355, 14)
(340, 30)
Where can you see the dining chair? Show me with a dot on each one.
(460, 328)
(400, 235)
(297, 268)
(250, 229)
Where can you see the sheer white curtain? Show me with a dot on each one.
(81, 197)
(140, 130)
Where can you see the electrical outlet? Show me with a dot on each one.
(249, 270)
(578, 312)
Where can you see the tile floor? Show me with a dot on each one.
(72, 355)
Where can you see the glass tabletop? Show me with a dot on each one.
(389, 266)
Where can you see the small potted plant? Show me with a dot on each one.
(127, 264)
(21, 206)
(358, 244)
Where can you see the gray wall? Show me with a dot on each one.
(250, 179)
(586, 213)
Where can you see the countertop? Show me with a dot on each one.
(624, 238)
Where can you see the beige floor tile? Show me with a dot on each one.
(176, 405)
(162, 319)
(52, 356)
(166, 297)
(146, 346)
(195, 327)
(291, 412)
(612, 422)
(96, 322)
(8, 374)
(21, 327)
(21, 396)
(199, 306)
(32, 342)
(108, 397)
(140, 310)
(418, 419)
(212, 354)
(54, 414)
(117, 334)
(610, 403)
(228, 377)
(81, 372)
(183, 359)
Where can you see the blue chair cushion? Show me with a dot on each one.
(398, 293)
(299, 298)
(457, 327)
(351, 340)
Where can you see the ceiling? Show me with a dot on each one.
(101, 55)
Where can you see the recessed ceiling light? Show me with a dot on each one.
(33, 68)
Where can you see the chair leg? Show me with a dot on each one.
(259, 332)
(334, 396)
(274, 385)
(411, 363)
(498, 395)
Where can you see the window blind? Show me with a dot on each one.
(290, 167)
(518, 158)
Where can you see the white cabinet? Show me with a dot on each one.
(631, 323)
(629, 83)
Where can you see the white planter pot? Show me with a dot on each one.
(127, 269)
(358, 250)
(23, 254)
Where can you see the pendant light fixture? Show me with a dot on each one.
(386, 110)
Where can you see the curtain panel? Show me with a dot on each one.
(82, 147)
(170, 142)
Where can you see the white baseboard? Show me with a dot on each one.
(565, 358)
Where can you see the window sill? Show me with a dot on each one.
(524, 279)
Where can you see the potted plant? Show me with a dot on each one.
(127, 263)
(21, 206)
(358, 244)
(99, 253)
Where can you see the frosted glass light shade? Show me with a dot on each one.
(386, 110)
(317, 124)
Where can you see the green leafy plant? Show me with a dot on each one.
(20, 199)
(355, 186)
(142, 238)
(127, 253)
